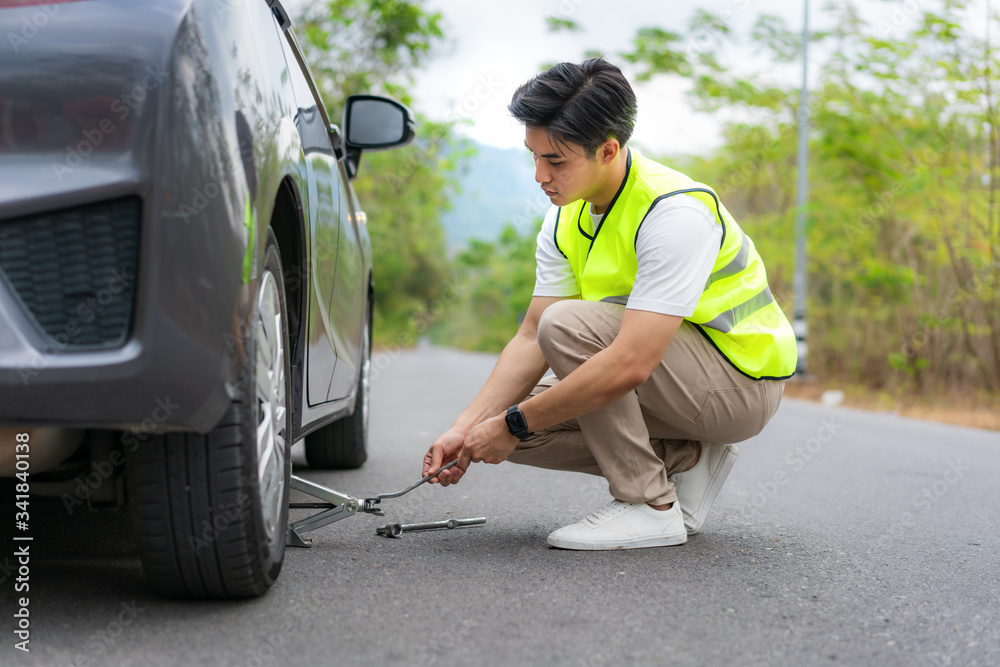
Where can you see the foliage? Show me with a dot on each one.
(556, 24)
(404, 192)
(374, 46)
(904, 212)
(367, 45)
(495, 282)
(904, 206)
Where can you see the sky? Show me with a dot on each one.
(492, 47)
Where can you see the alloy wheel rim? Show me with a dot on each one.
(271, 408)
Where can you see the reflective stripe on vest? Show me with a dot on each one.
(736, 312)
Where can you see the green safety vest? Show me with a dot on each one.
(736, 312)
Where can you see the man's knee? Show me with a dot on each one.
(568, 325)
(559, 330)
(552, 326)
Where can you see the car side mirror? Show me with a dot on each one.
(375, 123)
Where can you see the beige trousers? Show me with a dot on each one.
(694, 395)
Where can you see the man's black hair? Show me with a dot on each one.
(584, 104)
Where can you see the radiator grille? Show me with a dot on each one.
(75, 271)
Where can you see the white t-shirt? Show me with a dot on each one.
(676, 247)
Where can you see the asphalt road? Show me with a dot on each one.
(842, 537)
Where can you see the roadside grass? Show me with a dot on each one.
(979, 410)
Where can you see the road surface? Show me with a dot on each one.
(842, 537)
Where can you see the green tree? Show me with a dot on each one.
(404, 194)
(904, 212)
(495, 282)
(368, 45)
(375, 46)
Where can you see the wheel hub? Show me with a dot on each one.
(271, 404)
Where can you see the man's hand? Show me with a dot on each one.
(445, 450)
(519, 368)
(489, 442)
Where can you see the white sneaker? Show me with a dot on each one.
(621, 525)
(698, 487)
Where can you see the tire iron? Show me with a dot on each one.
(397, 529)
(370, 503)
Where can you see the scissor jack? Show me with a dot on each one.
(337, 506)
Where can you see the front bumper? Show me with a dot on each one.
(83, 348)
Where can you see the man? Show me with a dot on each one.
(651, 308)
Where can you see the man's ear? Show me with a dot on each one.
(608, 151)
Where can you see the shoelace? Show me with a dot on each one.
(612, 509)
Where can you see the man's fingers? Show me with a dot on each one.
(454, 475)
(432, 461)
(448, 477)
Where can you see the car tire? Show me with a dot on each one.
(210, 512)
(343, 445)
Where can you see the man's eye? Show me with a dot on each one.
(556, 164)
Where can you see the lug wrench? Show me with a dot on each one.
(370, 503)
(397, 529)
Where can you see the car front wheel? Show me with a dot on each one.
(209, 511)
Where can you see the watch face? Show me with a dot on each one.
(516, 423)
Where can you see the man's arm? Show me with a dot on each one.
(604, 378)
(520, 366)
(610, 374)
(676, 249)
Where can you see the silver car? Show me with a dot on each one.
(185, 274)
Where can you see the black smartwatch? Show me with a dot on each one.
(516, 423)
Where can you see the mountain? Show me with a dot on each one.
(496, 186)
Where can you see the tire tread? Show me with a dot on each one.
(185, 487)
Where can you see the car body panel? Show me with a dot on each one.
(190, 106)
(348, 314)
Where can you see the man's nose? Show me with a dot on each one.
(541, 173)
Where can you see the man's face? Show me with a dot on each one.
(564, 171)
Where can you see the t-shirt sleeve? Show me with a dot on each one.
(553, 273)
(676, 248)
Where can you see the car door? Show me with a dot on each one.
(323, 204)
(348, 303)
(325, 227)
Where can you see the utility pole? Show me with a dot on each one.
(800, 281)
